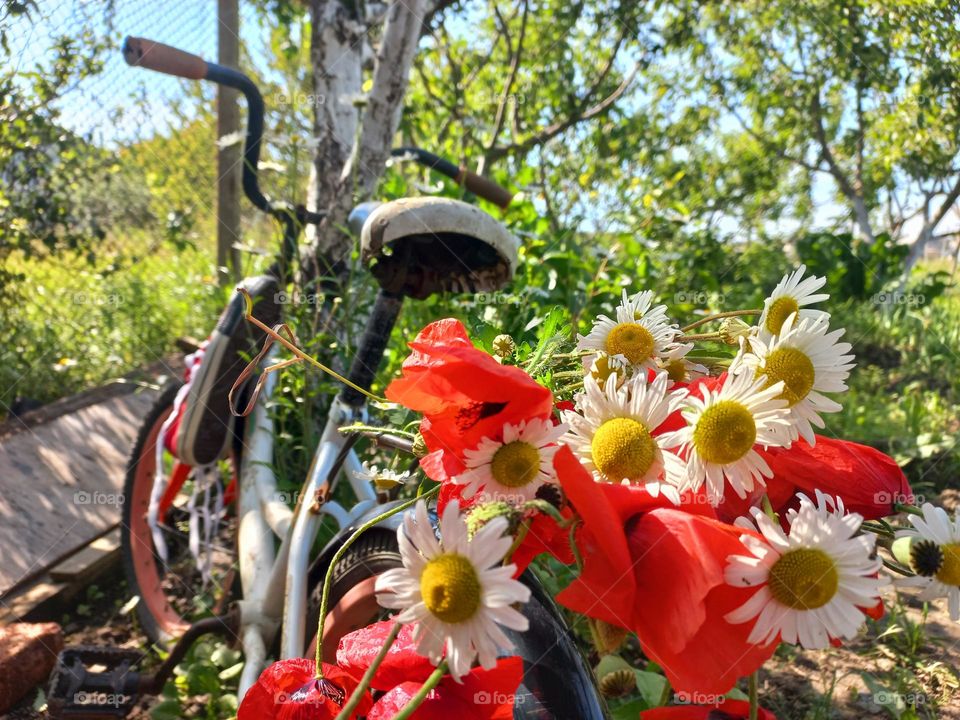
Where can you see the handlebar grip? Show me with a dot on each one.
(163, 58)
(485, 188)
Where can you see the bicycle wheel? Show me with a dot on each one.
(174, 594)
(353, 602)
(557, 682)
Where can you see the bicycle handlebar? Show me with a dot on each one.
(163, 58)
(140, 52)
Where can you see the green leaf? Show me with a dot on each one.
(166, 710)
(629, 710)
(651, 686)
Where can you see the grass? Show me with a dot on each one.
(74, 324)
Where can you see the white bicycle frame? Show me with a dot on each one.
(274, 581)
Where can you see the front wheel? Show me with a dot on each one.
(557, 682)
(173, 594)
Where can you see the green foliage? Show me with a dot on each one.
(854, 269)
(43, 166)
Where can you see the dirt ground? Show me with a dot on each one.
(805, 685)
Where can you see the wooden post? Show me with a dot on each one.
(228, 158)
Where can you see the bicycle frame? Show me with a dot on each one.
(274, 581)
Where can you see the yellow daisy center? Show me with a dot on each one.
(725, 432)
(780, 309)
(803, 579)
(796, 371)
(676, 370)
(602, 370)
(515, 464)
(450, 588)
(622, 449)
(632, 340)
(949, 572)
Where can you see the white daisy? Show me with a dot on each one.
(454, 588)
(601, 366)
(640, 333)
(383, 479)
(674, 362)
(723, 429)
(792, 293)
(612, 432)
(809, 360)
(934, 554)
(813, 583)
(514, 468)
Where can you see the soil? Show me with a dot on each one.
(794, 685)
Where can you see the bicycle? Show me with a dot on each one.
(414, 247)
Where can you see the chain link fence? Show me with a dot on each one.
(108, 183)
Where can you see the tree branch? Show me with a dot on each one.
(501, 113)
(551, 131)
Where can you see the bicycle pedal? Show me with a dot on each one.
(90, 683)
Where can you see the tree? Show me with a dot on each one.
(861, 92)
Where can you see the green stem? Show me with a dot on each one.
(699, 337)
(328, 578)
(548, 509)
(417, 700)
(665, 695)
(719, 316)
(367, 678)
(768, 508)
(357, 427)
(897, 568)
(521, 536)
(753, 695)
(909, 509)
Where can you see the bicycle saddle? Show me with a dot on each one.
(420, 246)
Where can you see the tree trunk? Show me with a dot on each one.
(862, 218)
(351, 154)
(336, 50)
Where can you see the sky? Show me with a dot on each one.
(151, 102)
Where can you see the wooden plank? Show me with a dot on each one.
(61, 484)
(43, 593)
(85, 566)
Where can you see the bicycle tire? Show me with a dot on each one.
(143, 580)
(557, 682)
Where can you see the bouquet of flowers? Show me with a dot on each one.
(691, 496)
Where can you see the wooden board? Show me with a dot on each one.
(61, 483)
(85, 565)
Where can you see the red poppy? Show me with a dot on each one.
(402, 662)
(658, 570)
(463, 393)
(727, 710)
(544, 535)
(482, 695)
(867, 481)
(290, 690)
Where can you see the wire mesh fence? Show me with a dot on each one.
(108, 179)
